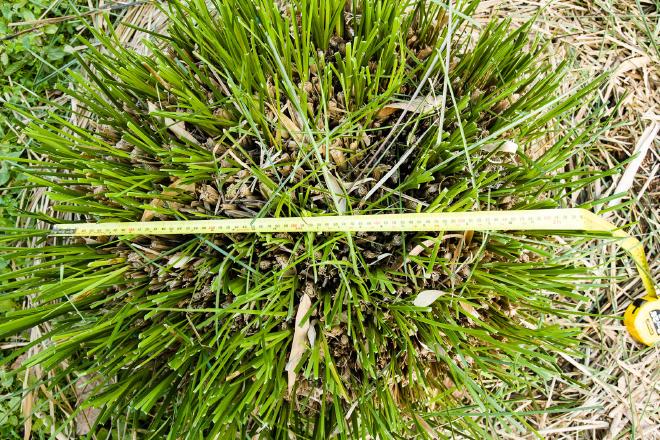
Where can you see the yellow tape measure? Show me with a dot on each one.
(642, 318)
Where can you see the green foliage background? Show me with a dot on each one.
(32, 65)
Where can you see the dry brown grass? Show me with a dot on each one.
(617, 381)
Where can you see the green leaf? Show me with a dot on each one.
(6, 305)
(50, 29)
(55, 53)
(6, 379)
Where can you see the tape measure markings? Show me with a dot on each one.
(478, 221)
(567, 219)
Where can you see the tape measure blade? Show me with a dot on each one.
(568, 219)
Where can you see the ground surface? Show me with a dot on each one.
(618, 383)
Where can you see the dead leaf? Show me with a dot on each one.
(338, 157)
(641, 149)
(209, 194)
(467, 236)
(33, 373)
(311, 334)
(631, 64)
(455, 392)
(380, 257)
(425, 245)
(337, 191)
(299, 344)
(418, 105)
(424, 53)
(294, 131)
(421, 247)
(427, 297)
(178, 261)
(352, 186)
(469, 308)
(426, 427)
(156, 75)
(85, 418)
(366, 139)
(291, 127)
(176, 127)
(233, 375)
(148, 214)
(175, 188)
(179, 130)
(506, 147)
(26, 406)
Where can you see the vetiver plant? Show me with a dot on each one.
(306, 108)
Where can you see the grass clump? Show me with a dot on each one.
(301, 108)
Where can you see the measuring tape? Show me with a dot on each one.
(642, 318)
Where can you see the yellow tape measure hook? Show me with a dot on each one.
(642, 319)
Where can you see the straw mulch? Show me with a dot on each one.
(618, 381)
